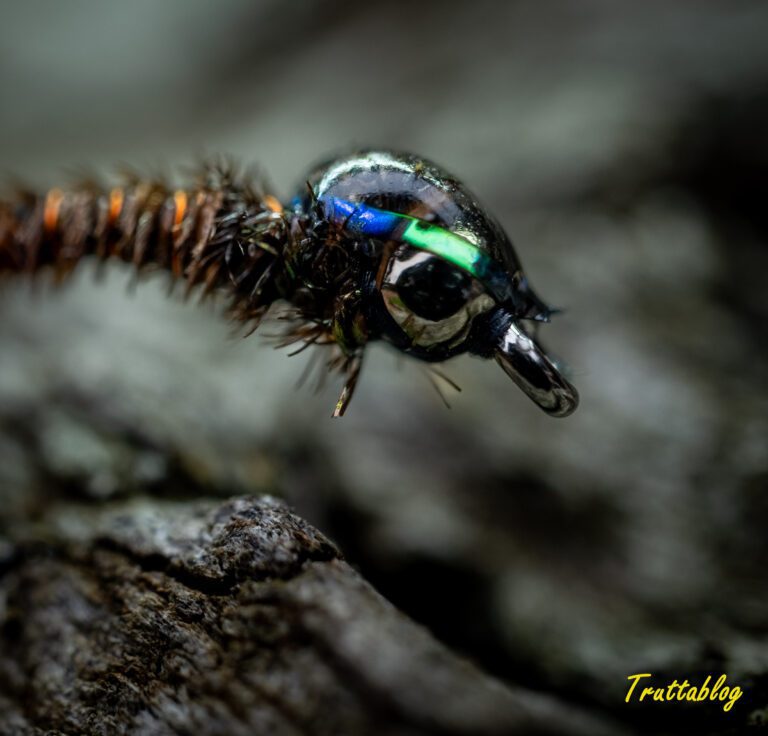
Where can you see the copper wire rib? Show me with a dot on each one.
(199, 235)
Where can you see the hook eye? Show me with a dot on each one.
(529, 367)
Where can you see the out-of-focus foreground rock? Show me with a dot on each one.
(239, 618)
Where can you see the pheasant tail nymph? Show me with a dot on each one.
(376, 245)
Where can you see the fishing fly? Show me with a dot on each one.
(376, 245)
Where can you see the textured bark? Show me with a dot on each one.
(234, 618)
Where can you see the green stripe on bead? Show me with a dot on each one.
(363, 219)
(444, 243)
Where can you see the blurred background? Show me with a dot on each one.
(624, 147)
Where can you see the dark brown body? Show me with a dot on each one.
(220, 233)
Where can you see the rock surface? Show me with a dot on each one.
(238, 618)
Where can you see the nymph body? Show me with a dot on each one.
(377, 246)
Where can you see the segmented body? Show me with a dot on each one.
(220, 234)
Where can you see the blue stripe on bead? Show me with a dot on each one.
(361, 219)
(371, 222)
